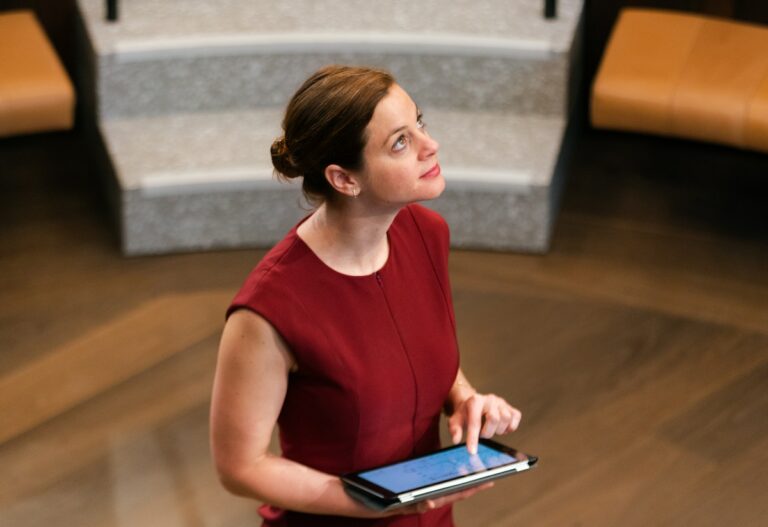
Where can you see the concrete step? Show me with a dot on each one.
(204, 180)
(186, 95)
(190, 56)
(149, 19)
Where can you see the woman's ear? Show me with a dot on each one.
(342, 180)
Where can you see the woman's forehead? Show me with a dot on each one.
(395, 110)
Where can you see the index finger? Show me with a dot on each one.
(474, 422)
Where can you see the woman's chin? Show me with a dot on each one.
(434, 189)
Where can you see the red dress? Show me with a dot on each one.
(376, 356)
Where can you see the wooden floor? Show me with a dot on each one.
(637, 349)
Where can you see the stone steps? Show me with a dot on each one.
(521, 19)
(189, 56)
(190, 95)
(204, 180)
(242, 77)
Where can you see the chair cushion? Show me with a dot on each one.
(684, 75)
(35, 92)
(756, 125)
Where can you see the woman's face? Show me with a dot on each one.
(400, 157)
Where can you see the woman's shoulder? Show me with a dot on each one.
(278, 260)
(429, 223)
(426, 227)
(425, 218)
(270, 280)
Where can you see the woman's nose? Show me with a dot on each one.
(429, 146)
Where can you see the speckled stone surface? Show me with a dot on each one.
(249, 216)
(227, 82)
(201, 181)
(512, 218)
(188, 128)
(168, 145)
(517, 219)
(238, 76)
(521, 149)
(173, 149)
(153, 19)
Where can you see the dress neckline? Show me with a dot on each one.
(322, 263)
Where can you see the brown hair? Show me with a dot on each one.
(325, 124)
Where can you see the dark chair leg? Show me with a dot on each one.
(112, 10)
(550, 8)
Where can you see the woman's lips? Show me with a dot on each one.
(433, 172)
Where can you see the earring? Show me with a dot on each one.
(355, 192)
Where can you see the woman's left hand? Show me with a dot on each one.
(482, 416)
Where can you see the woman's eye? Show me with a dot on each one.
(420, 122)
(400, 144)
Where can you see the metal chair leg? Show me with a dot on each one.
(112, 10)
(550, 8)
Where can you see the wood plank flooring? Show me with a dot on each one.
(637, 349)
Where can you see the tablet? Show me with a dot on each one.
(439, 473)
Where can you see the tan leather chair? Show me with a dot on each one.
(684, 75)
(36, 94)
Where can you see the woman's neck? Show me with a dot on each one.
(347, 239)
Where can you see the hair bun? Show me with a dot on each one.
(282, 160)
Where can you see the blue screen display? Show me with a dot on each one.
(445, 465)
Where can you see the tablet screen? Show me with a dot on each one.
(442, 466)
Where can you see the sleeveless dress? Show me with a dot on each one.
(376, 355)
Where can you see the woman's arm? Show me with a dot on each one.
(249, 389)
(483, 415)
(248, 392)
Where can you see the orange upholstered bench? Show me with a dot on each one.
(35, 92)
(684, 75)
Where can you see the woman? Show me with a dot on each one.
(344, 333)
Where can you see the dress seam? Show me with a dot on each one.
(407, 358)
(434, 267)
